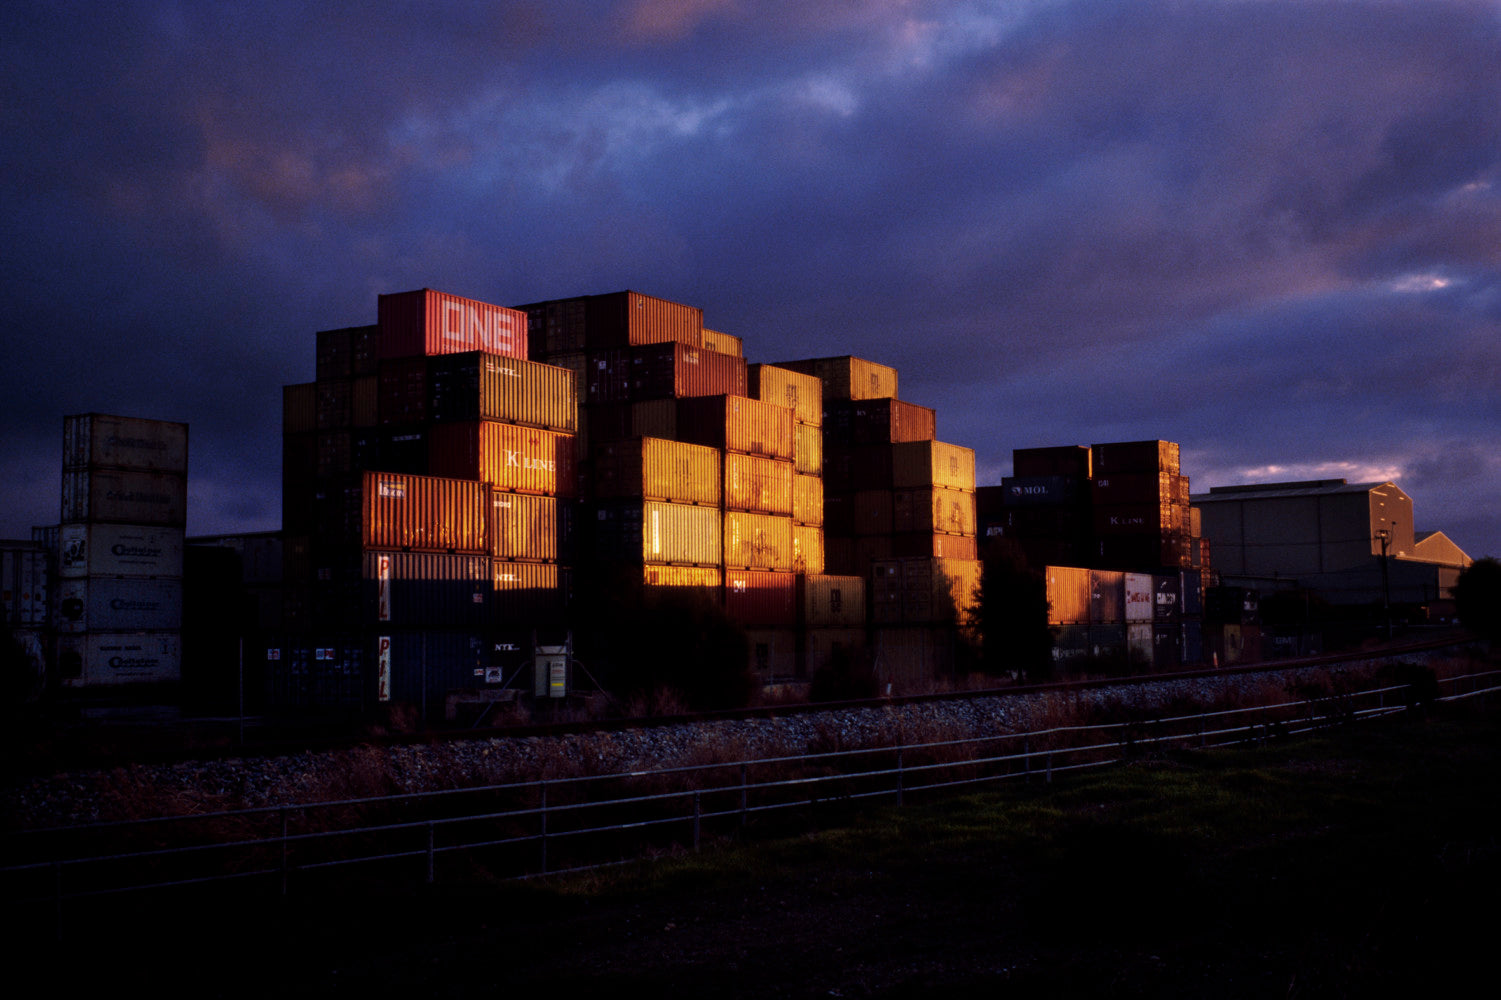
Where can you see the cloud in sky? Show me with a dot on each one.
(1268, 230)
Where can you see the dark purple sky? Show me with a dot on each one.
(1270, 231)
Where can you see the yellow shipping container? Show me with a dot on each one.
(757, 541)
(658, 469)
(724, 343)
(807, 449)
(798, 391)
(932, 463)
(831, 600)
(848, 377)
(754, 483)
(807, 549)
(934, 509)
(701, 583)
(807, 500)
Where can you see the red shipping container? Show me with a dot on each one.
(760, 597)
(428, 322)
(509, 456)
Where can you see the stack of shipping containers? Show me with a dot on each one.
(428, 477)
(118, 596)
(899, 513)
(26, 567)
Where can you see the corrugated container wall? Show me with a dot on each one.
(426, 588)
(832, 601)
(757, 541)
(736, 423)
(936, 463)
(807, 500)
(98, 659)
(23, 585)
(654, 532)
(299, 408)
(101, 441)
(1071, 461)
(424, 513)
(528, 528)
(430, 322)
(807, 449)
(125, 496)
(755, 483)
(1134, 456)
(675, 370)
(477, 386)
(657, 469)
(878, 421)
(528, 594)
(1068, 595)
(119, 550)
(509, 456)
(798, 391)
(760, 597)
(847, 377)
(625, 319)
(807, 549)
(111, 604)
(724, 343)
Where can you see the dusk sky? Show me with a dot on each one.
(1270, 231)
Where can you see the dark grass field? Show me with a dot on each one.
(1362, 863)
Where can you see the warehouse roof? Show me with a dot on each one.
(1272, 491)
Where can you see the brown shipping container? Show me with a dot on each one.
(125, 496)
(424, 513)
(935, 463)
(848, 377)
(1072, 461)
(754, 483)
(831, 601)
(1107, 597)
(653, 532)
(724, 343)
(625, 319)
(477, 386)
(874, 512)
(1137, 519)
(760, 597)
(807, 549)
(365, 403)
(757, 541)
(527, 594)
(839, 555)
(807, 449)
(798, 391)
(878, 421)
(508, 456)
(402, 391)
(673, 371)
(657, 469)
(429, 322)
(736, 423)
(102, 441)
(299, 408)
(524, 527)
(807, 500)
(934, 509)
(1068, 595)
(1135, 456)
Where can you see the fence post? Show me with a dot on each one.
(284, 857)
(1027, 759)
(744, 778)
(698, 813)
(901, 784)
(1050, 768)
(543, 813)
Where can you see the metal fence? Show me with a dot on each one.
(525, 829)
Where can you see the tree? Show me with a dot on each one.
(1011, 615)
(1477, 597)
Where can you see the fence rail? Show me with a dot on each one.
(526, 829)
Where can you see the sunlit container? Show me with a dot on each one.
(528, 593)
(106, 659)
(933, 509)
(509, 456)
(1107, 597)
(932, 463)
(656, 533)
(848, 377)
(426, 588)
(1068, 589)
(807, 500)
(429, 322)
(528, 528)
(919, 590)
(424, 513)
(103, 550)
(798, 391)
(1041, 491)
(672, 370)
(756, 483)
(1134, 456)
(1070, 461)
(807, 449)
(658, 469)
(831, 601)
(704, 583)
(115, 604)
(125, 496)
(1140, 597)
(299, 408)
(878, 421)
(478, 386)
(736, 423)
(102, 441)
(625, 319)
(807, 549)
(760, 597)
(23, 585)
(920, 544)
(724, 343)
(402, 390)
(757, 541)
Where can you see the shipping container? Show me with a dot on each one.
(1140, 596)
(1140, 644)
(760, 597)
(334, 354)
(756, 483)
(830, 601)
(425, 589)
(1042, 491)
(1068, 595)
(772, 654)
(1107, 597)
(365, 344)
(336, 404)
(922, 590)
(934, 509)
(1067, 461)
(736, 423)
(108, 659)
(102, 441)
(807, 549)
(839, 555)
(405, 448)
(422, 667)
(1140, 488)
(1167, 647)
(652, 532)
(807, 449)
(932, 544)
(1136, 519)
(607, 377)
(724, 343)
(478, 386)
(424, 513)
(874, 512)
(318, 674)
(1134, 456)
(757, 541)
(101, 550)
(556, 327)
(299, 408)
(626, 319)
(933, 463)
(426, 322)
(881, 421)
(508, 456)
(799, 392)
(529, 528)
(703, 583)
(657, 469)
(807, 500)
(672, 370)
(857, 467)
(833, 648)
(529, 594)
(125, 496)
(23, 584)
(848, 377)
(365, 406)
(402, 390)
(908, 658)
(1166, 588)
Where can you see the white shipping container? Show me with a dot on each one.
(108, 604)
(118, 550)
(23, 584)
(125, 496)
(103, 659)
(1141, 597)
(97, 440)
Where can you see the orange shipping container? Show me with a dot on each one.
(658, 533)
(426, 322)
(754, 483)
(736, 423)
(424, 513)
(848, 377)
(878, 421)
(798, 391)
(477, 386)
(674, 371)
(703, 583)
(807, 549)
(1068, 595)
(932, 463)
(757, 541)
(933, 509)
(807, 500)
(657, 469)
(624, 319)
(509, 456)
(524, 527)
